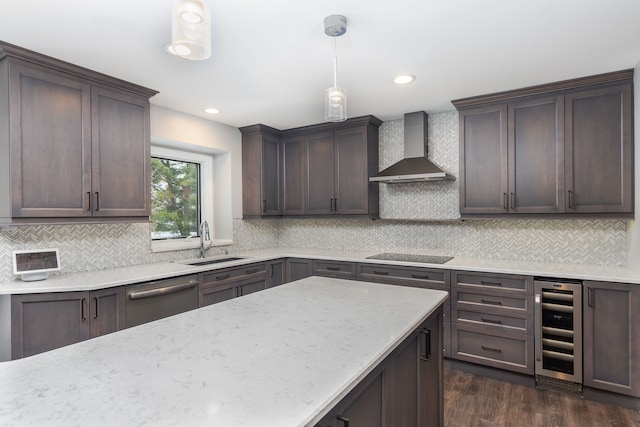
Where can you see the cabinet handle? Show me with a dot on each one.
(495, 350)
(83, 304)
(505, 202)
(97, 201)
(226, 276)
(95, 311)
(590, 297)
(88, 200)
(426, 335)
(255, 270)
(570, 199)
(512, 201)
(495, 322)
(345, 420)
(333, 268)
(335, 205)
(483, 282)
(264, 205)
(331, 205)
(491, 302)
(381, 273)
(417, 276)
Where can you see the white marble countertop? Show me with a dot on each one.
(281, 357)
(100, 279)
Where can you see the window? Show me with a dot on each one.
(181, 197)
(175, 198)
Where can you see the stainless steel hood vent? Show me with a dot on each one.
(415, 167)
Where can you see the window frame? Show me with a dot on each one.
(206, 196)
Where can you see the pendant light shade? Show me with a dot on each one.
(191, 29)
(335, 98)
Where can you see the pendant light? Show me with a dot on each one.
(335, 99)
(191, 29)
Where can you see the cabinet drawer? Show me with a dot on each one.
(510, 351)
(339, 269)
(215, 277)
(407, 276)
(217, 293)
(516, 324)
(482, 302)
(504, 282)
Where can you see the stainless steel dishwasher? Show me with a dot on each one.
(150, 301)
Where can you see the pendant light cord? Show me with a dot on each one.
(335, 62)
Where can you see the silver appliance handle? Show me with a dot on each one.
(537, 299)
(162, 291)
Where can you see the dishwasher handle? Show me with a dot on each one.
(162, 291)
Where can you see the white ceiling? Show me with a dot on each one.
(271, 60)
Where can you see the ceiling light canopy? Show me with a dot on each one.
(191, 29)
(212, 110)
(335, 98)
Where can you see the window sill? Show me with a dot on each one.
(185, 244)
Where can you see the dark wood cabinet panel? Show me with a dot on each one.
(483, 160)
(260, 171)
(121, 158)
(320, 179)
(277, 272)
(216, 294)
(352, 169)
(42, 322)
(293, 175)
(557, 149)
(599, 148)
(50, 132)
(249, 286)
(336, 269)
(611, 313)
(536, 155)
(298, 268)
(225, 284)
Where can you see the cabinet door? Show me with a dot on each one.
(50, 143)
(121, 177)
(270, 176)
(42, 322)
(276, 273)
(363, 407)
(483, 160)
(536, 155)
(298, 269)
(320, 174)
(218, 293)
(599, 151)
(612, 337)
(293, 173)
(107, 311)
(249, 286)
(352, 172)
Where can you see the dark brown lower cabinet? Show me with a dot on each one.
(336, 269)
(221, 285)
(298, 268)
(611, 313)
(42, 322)
(406, 389)
(276, 270)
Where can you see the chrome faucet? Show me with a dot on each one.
(204, 235)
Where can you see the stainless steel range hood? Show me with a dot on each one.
(415, 167)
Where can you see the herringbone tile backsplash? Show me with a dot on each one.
(603, 242)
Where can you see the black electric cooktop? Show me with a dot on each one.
(430, 259)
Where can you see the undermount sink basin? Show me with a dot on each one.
(212, 261)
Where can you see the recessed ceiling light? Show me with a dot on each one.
(212, 110)
(404, 79)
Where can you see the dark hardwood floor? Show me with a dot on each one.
(475, 401)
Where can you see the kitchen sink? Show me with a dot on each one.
(211, 261)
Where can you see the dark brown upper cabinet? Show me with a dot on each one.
(321, 169)
(260, 171)
(74, 144)
(563, 149)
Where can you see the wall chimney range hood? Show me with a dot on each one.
(415, 166)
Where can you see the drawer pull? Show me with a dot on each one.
(345, 420)
(333, 268)
(491, 302)
(255, 270)
(484, 282)
(417, 276)
(226, 276)
(381, 273)
(495, 350)
(495, 322)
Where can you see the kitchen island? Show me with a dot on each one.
(286, 356)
